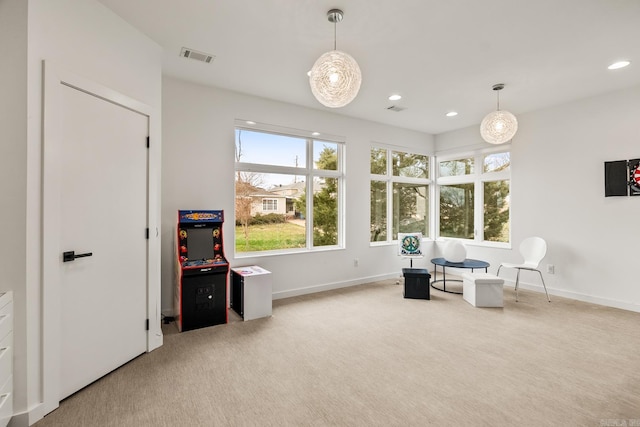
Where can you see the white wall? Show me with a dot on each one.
(83, 37)
(13, 175)
(13, 133)
(197, 173)
(558, 160)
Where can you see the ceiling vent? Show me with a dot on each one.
(396, 108)
(198, 56)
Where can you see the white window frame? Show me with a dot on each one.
(308, 172)
(271, 204)
(389, 180)
(478, 178)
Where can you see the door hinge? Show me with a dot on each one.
(147, 324)
(148, 143)
(147, 234)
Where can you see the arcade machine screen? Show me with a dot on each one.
(200, 244)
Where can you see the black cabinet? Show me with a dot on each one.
(416, 283)
(204, 300)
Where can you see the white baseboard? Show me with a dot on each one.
(318, 288)
(607, 302)
(334, 285)
(528, 286)
(30, 417)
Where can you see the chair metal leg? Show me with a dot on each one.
(518, 281)
(545, 286)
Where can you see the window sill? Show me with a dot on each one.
(242, 255)
(484, 244)
(395, 242)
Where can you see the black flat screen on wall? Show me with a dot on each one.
(615, 178)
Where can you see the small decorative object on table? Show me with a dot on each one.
(454, 251)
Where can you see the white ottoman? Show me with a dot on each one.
(482, 289)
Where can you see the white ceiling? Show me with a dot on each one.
(440, 55)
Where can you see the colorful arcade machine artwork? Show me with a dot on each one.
(202, 271)
(622, 178)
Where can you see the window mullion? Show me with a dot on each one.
(341, 211)
(495, 176)
(389, 181)
(478, 219)
(258, 168)
(434, 203)
(309, 185)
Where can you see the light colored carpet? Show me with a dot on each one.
(365, 356)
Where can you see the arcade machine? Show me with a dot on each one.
(200, 296)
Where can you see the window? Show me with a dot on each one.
(456, 167)
(457, 210)
(269, 204)
(400, 192)
(475, 204)
(496, 211)
(275, 170)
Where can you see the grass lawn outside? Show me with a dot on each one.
(266, 237)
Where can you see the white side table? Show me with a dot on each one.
(482, 289)
(251, 292)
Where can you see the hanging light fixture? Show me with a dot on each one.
(335, 77)
(499, 126)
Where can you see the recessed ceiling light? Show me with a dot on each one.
(395, 97)
(315, 133)
(451, 113)
(619, 64)
(249, 122)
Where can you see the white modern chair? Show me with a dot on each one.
(532, 249)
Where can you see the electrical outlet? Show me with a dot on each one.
(551, 269)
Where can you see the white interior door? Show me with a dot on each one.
(103, 212)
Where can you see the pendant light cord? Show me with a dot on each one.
(335, 38)
(498, 103)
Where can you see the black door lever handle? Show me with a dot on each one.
(71, 255)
